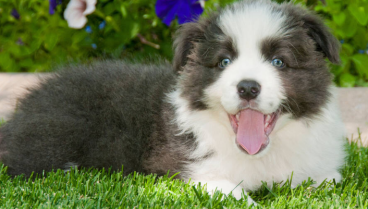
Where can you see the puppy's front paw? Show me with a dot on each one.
(226, 187)
(238, 194)
(328, 178)
(250, 201)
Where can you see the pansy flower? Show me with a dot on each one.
(15, 14)
(52, 6)
(185, 10)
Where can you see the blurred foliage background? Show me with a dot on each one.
(35, 41)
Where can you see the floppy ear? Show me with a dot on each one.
(184, 41)
(326, 42)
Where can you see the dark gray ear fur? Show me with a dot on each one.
(316, 29)
(326, 43)
(185, 38)
(321, 34)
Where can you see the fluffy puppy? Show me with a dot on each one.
(249, 98)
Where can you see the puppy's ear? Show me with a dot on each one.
(184, 41)
(320, 33)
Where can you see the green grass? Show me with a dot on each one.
(104, 189)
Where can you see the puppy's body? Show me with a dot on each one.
(94, 118)
(253, 101)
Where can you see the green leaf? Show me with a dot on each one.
(320, 8)
(123, 11)
(110, 8)
(35, 45)
(360, 39)
(333, 6)
(361, 64)
(349, 27)
(26, 63)
(166, 48)
(50, 41)
(362, 82)
(7, 63)
(339, 18)
(360, 13)
(343, 67)
(135, 30)
(347, 80)
(347, 49)
(78, 37)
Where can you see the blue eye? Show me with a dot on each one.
(224, 63)
(278, 63)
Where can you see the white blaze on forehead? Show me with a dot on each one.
(250, 23)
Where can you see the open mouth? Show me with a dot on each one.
(252, 129)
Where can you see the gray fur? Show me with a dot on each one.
(101, 116)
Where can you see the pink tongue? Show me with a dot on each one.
(251, 133)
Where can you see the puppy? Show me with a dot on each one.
(249, 98)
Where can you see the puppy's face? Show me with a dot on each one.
(256, 60)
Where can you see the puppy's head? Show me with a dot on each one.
(256, 60)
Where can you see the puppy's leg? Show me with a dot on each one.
(225, 187)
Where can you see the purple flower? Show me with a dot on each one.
(52, 6)
(15, 14)
(185, 10)
(20, 42)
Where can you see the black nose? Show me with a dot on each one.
(248, 89)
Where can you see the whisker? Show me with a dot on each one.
(287, 108)
(296, 104)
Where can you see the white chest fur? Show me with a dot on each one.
(312, 148)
